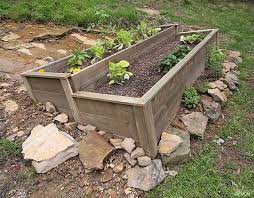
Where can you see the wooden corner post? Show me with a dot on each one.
(146, 128)
(68, 93)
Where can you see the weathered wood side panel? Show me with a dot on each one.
(166, 102)
(110, 117)
(46, 84)
(49, 90)
(100, 69)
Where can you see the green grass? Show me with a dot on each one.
(73, 12)
(8, 150)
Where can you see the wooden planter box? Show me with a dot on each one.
(57, 87)
(142, 119)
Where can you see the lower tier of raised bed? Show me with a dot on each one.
(142, 115)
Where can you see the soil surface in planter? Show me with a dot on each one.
(146, 73)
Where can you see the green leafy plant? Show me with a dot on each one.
(77, 60)
(173, 58)
(144, 30)
(215, 58)
(190, 97)
(190, 39)
(98, 50)
(109, 45)
(124, 38)
(118, 72)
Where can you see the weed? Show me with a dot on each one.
(215, 59)
(190, 97)
(202, 87)
(9, 149)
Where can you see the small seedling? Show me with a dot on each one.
(118, 72)
(190, 98)
(173, 58)
(9, 149)
(191, 39)
(41, 70)
(144, 30)
(124, 38)
(98, 51)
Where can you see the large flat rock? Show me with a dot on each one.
(94, 150)
(182, 153)
(48, 147)
(146, 178)
(196, 123)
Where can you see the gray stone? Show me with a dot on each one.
(233, 77)
(182, 153)
(71, 125)
(48, 147)
(87, 129)
(234, 56)
(62, 118)
(50, 107)
(228, 66)
(220, 85)
(41, 62)
(116, 142)
(144, 161)
(10, 106)
(146, 178)
(169, 143)
(128, 158)
(128, 144)
(196, 123)
(5, 85)
(217, 95)
(118, 168)
(212, 110)
(10, 37)
(138, 152)
(230, 83)
(94, 150)
(25, 51)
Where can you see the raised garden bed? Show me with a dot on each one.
(55, 85)
(141, 113)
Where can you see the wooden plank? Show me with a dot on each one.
(72, 103)
(146, 129)
(46, 84)
(107, 98)
(111, 110)
(58, 99)
(120, 127)
(29, 88)
(98, 70)
(47, 75)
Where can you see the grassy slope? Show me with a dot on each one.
(72, 12)
(201, 177)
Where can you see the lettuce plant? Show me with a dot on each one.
(124, 38)
(98, 50)
(77, 60)
(144, 30)
(118, 72)
(190, 39)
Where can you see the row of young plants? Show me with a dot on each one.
(118, 72)
(124, 39)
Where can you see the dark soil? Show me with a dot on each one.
(146, 72)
